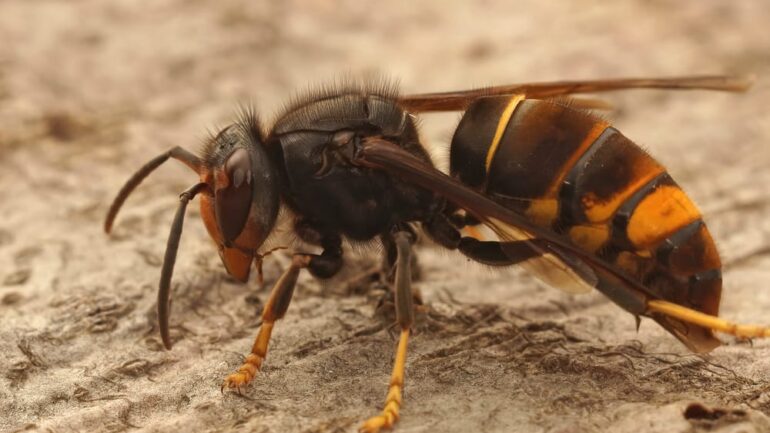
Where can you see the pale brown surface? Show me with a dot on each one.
(91, 90)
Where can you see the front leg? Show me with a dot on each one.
(323, 265)
(276, 307)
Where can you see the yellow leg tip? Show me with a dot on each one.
(385, 420)
(375, 424)
(243, 376)
(389, 414)
(235, 381)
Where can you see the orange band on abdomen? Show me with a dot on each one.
(658, 215)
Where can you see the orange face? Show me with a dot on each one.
(242, 199)
(227, 213)
(237, 258)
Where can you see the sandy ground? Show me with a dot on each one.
(90, 90)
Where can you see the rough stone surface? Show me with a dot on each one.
(90, 90)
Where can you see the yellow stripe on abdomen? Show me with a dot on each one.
(501, 125)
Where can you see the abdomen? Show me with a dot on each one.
(573, 173)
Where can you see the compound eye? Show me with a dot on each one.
(233, 195)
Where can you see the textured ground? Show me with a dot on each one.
(90, 90)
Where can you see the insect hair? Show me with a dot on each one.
(346, 84)
(247, 121)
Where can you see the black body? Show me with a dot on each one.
(312, 145)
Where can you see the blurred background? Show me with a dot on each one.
(91, 90)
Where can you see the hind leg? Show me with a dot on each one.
(714, 323)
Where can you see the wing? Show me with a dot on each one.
(560, 271)
(508, 225)
(569, 263)
(458, 100)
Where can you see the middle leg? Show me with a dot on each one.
(403, 240)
